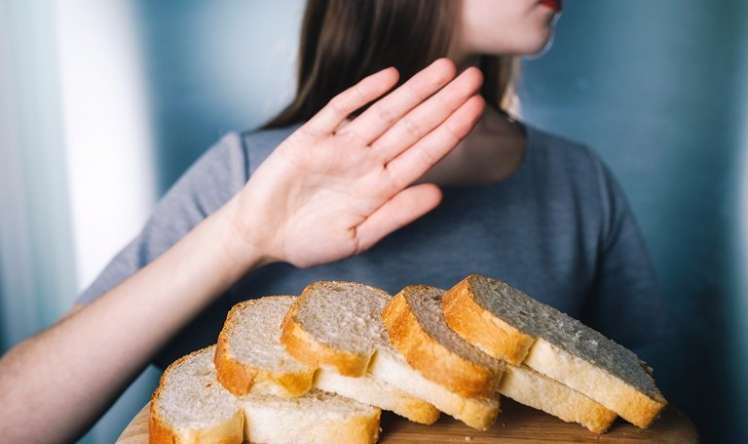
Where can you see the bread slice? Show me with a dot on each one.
(190, 406)
(506, 323)
(336, 326)
(249, 354)
(416, 325)
(315, 417)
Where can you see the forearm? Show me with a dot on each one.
(56, 383)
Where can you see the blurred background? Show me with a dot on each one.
(103, 104)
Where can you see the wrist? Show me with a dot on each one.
(239, 241)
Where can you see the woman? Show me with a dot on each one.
(374, 174)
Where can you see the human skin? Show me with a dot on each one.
(363, 179)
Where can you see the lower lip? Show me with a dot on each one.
(555, 5)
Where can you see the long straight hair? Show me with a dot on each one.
(343, 41)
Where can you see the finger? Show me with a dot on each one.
(415, 161)
(402, 209)
(424, 118)
(386, 111)
(339, 107)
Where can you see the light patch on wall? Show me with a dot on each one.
(107, 134)
(268, 79)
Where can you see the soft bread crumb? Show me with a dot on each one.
(260, 319)
(190, 395)
(345, 315)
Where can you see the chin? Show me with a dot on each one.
(535, 44)
(519, 42)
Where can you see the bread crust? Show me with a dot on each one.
(158, 431)
(418, 411)
(305, 348)
(430, 357)
(481, 328)
(239, 377)
(230, 431)
(361, 429)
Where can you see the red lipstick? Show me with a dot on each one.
(555, 5)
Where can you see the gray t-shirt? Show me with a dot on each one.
(559, 228)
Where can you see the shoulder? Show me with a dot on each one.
(575, 171)
(575, 159)
(227, 157)
(567, 162)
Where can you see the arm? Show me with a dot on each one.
(332, 189)
(56, 383)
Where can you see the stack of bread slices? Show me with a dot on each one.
(319, 367)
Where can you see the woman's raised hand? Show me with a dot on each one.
(335, 186)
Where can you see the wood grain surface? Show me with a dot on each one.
(517, 424)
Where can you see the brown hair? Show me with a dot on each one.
(343, 41)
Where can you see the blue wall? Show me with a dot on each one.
(656, 87)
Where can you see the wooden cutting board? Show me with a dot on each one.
(517, 424)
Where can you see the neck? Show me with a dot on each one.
(490, 153)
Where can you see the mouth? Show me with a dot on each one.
(554, 5)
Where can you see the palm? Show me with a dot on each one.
(327, 194)
(334, 188)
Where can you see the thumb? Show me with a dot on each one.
(402, 209)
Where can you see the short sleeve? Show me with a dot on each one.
(209, 183)
(626, 301)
